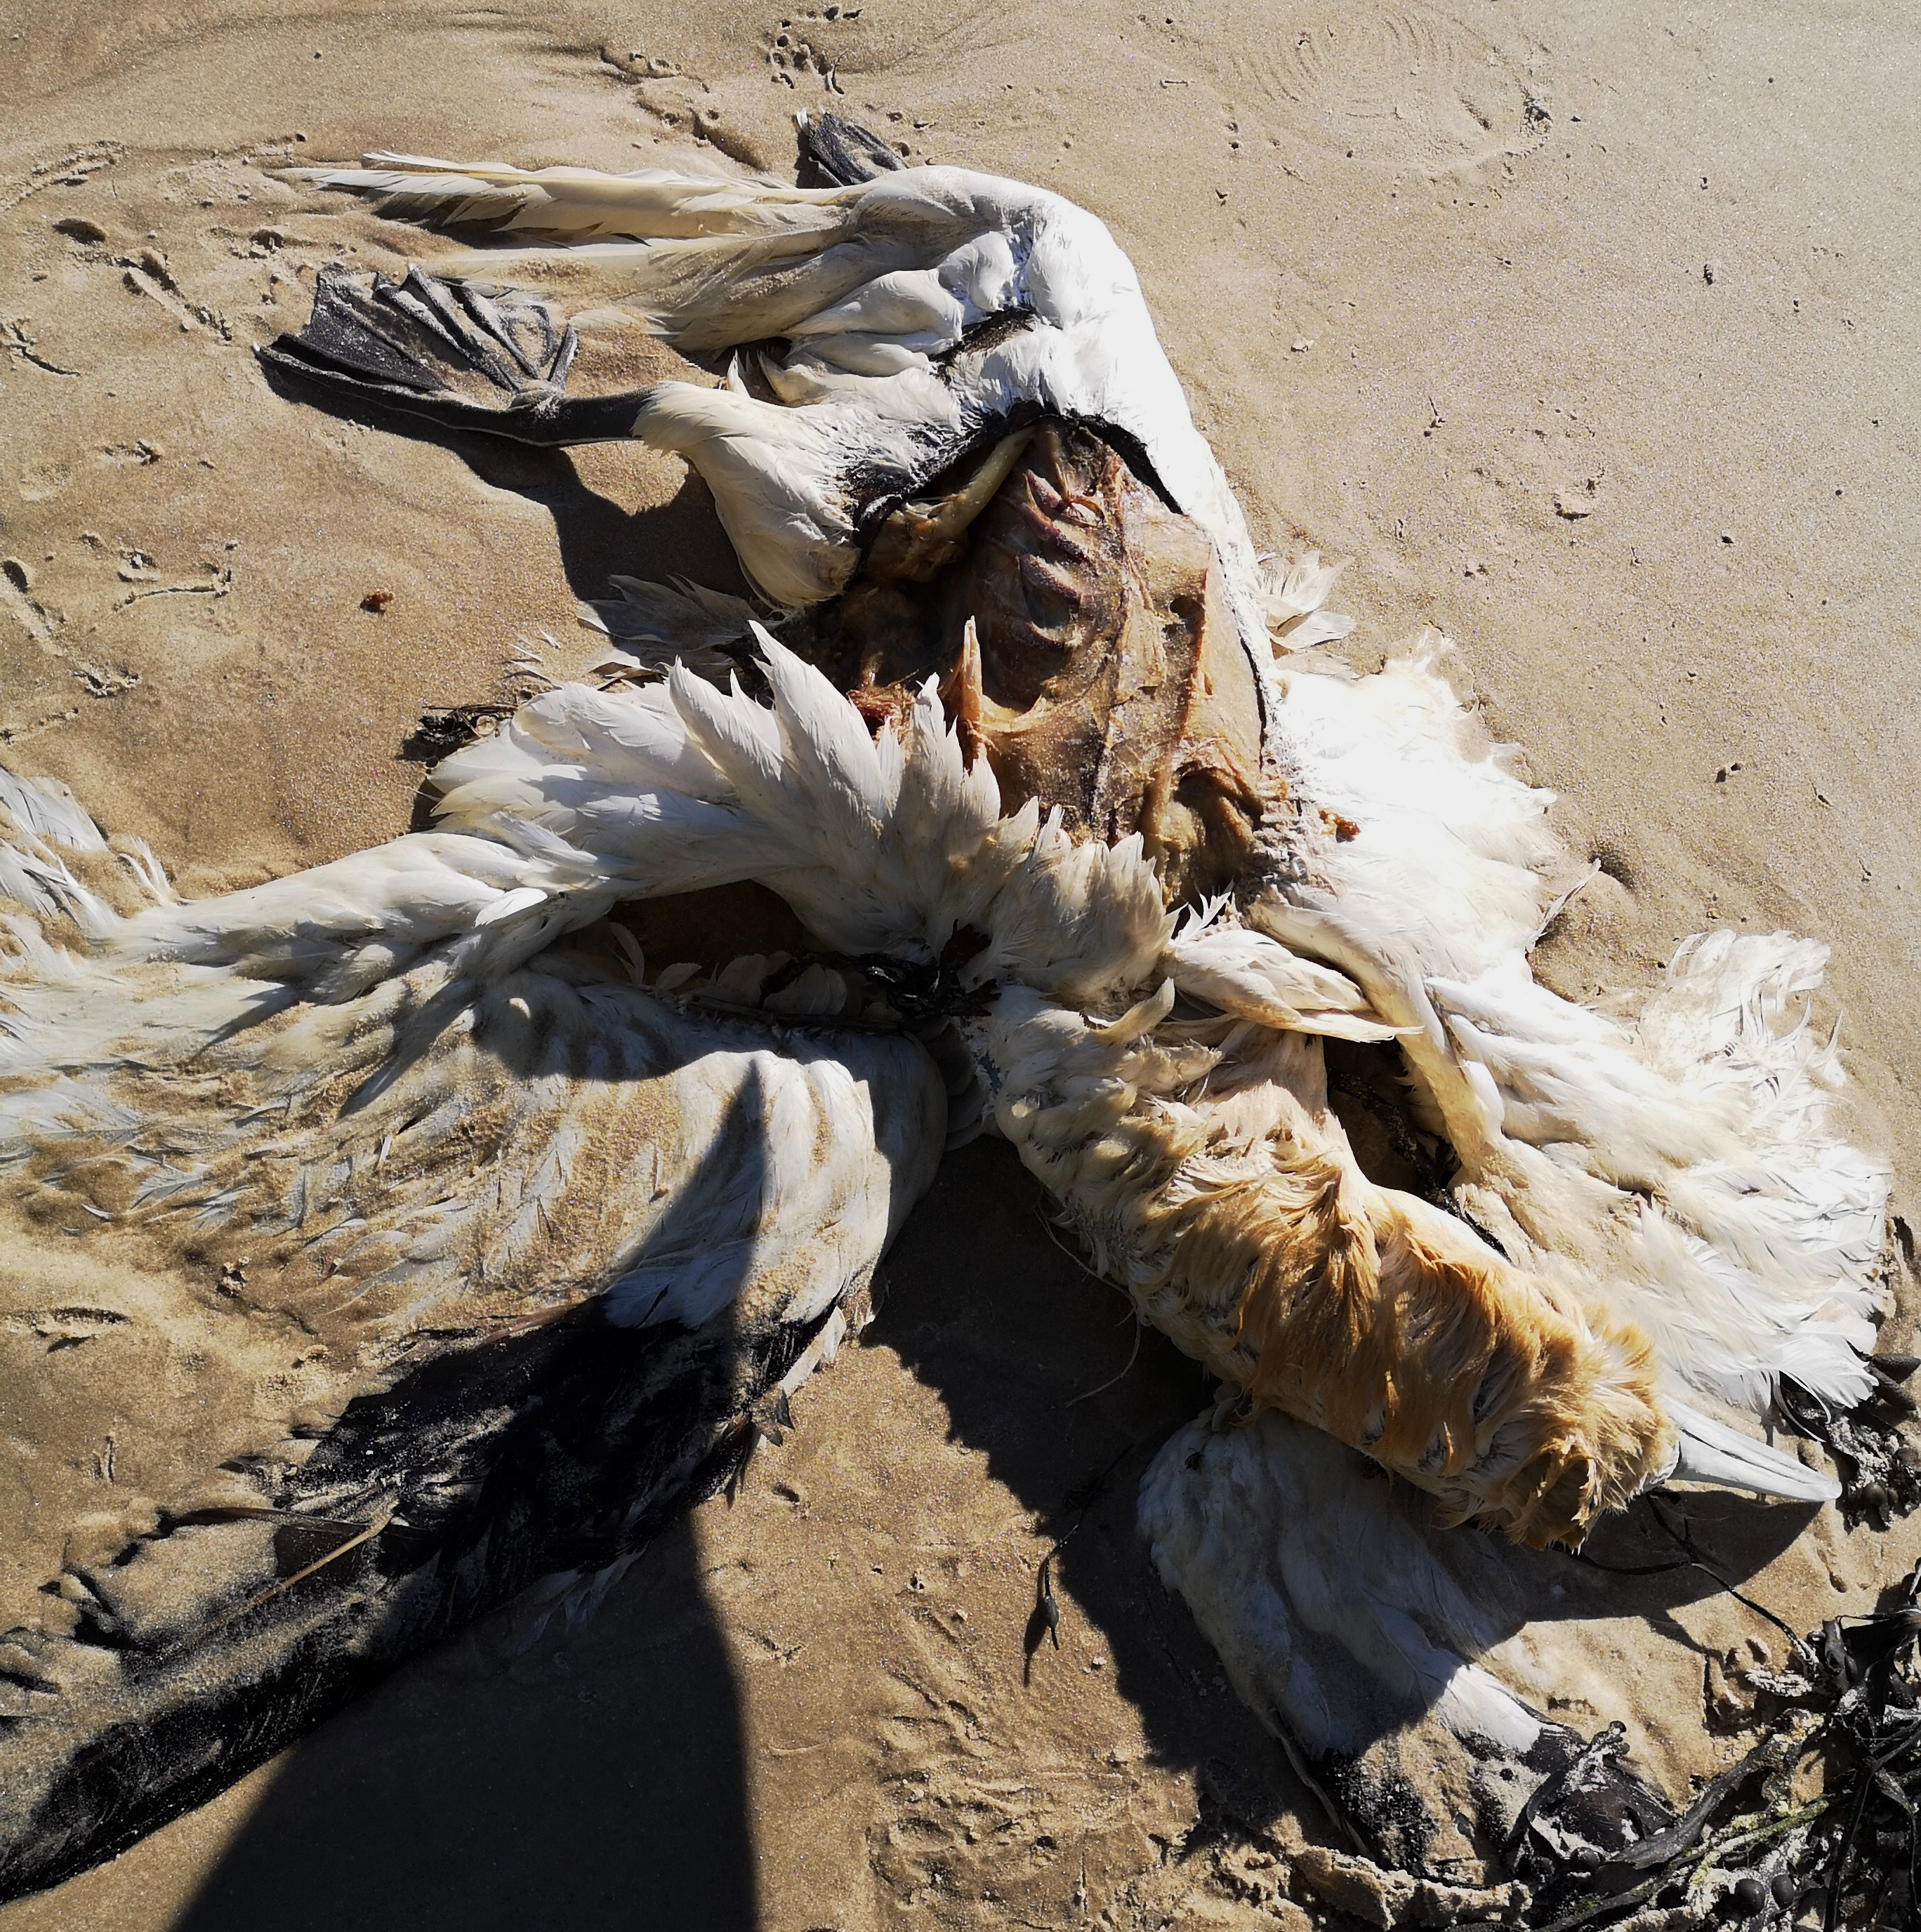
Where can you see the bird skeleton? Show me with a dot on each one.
(1060, 829)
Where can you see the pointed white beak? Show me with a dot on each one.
(1711, 1452)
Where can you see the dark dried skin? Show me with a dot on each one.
(1112, 680)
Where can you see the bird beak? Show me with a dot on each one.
(1711, 1452)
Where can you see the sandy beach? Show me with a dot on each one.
(1587, 336)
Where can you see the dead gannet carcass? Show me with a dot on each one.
(1061, 832)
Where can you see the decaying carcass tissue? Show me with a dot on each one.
(1099, 666)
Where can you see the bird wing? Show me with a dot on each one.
(1730, 1238)
(887, 843)
(1404, 1668)
(386, 1257)
(876, 287)
(1685, 1159)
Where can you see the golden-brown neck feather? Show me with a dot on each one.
(1273, 1258)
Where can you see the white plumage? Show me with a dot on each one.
(1686, 1158)
(870, 284)
(298, 1057)
(1677, 1169)
(1563, 1119)
(1352, 1629)
(881, 845)
(1682, 1164)
(365, 1072)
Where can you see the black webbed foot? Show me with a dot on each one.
(837, 153)
(462, 355)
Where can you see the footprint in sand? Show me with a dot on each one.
(62, 1327)
(806, 47)
(17, 596)
(683, 103)
(1400, 85)
(71, 169)
(144, 272)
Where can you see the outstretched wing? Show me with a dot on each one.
(374, 1258)
(920, 311)
(1676, 1175)
(893, 845)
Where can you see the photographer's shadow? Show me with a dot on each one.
(488, 1790)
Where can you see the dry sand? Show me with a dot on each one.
(1588, 334)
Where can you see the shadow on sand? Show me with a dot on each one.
(1019, 1359)
(570, 1782)
(594, 535)
(590, 1783)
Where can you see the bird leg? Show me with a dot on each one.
(455, 353)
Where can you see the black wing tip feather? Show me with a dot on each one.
(835, 152)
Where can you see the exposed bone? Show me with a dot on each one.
(961, 694)
(920, 540)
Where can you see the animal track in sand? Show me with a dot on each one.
(39, 481)
(683, 103)
(1398, 84)
(63, 1328)
(70, 170)
(792, 55)
(16, 595)
(145, 272)
(106, 680)
(149, 276)
(17, 338)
